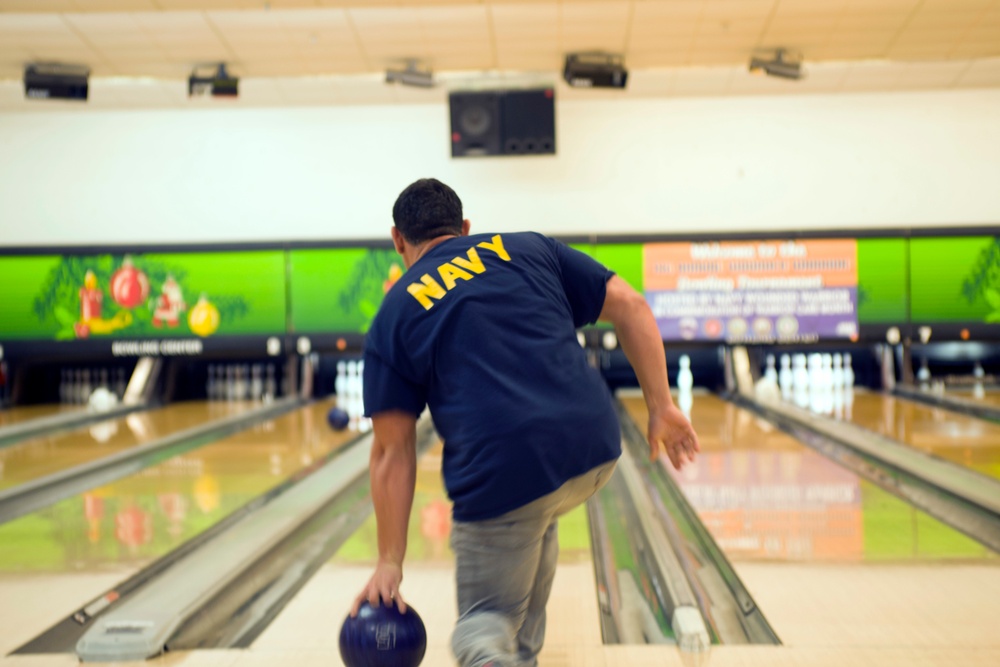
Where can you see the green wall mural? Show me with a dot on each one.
(69, 297)
(340, 289)
(955, 279)
(882, 292)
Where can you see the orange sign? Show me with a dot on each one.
(751, 265)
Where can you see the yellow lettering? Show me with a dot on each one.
(473, 264)
(449, 273)
(427, 291)
(496, 245)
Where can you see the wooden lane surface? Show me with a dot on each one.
(19, 415)
(65, 555)
(965, 440)
(305, 635)
(48, 454)
(834, 563)
(311, 622)
(990, 397)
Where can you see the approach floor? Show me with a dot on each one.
(57, 559)
(832, 560)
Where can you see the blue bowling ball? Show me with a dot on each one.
(383, 637)
(338, 419)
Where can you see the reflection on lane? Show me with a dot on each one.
(765, 496)
(965, 440)
(11, 416)
(45, 455)
(128, 523)
(430, 525)
(986, 396)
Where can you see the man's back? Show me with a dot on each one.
(482, 329)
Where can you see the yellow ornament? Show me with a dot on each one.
(204, 317)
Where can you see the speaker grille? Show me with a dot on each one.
(511, 122)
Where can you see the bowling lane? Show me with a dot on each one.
(19, 415)
(831, 559)
(44, 455)
(986, 396)
(959, 438)
(309, 626)
(65, 555)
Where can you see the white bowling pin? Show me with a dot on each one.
(770, 372)
(848, 372)
(924, 374)
(685, 379)
(838, 372)
(785, 376)
(340, 384)
(800, 375)
(685, 401)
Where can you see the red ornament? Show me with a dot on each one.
(129, 285)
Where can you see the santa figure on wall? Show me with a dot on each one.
(169, 305)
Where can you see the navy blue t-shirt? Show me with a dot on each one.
(482, 329)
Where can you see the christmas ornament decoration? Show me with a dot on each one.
(169, 305)
(129, 285)
(204, 317)
(90, 298)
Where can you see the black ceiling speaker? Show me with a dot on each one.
(49, 81)
(503, 122)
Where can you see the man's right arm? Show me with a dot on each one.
(640, 339)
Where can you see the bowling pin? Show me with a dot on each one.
(848, 372)
(978, 372)
(770, 372)
(924, 374)
(785, 377)
(838, 372)
(685, 379)
(340, 384)
(685, 401)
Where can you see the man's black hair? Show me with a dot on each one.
(427, 209)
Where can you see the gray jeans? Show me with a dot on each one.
(504, 571)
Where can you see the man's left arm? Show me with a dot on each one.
(393, 472)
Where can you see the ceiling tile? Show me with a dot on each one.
(92, 6)
(809, 8)
(737, 9)
(881, 6)
(672, 10)
(36, 6)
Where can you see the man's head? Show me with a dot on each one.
(427, 209)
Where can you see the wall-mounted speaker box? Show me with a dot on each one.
(503, 122)
(56, 83)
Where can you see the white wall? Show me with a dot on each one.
(645, 166)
